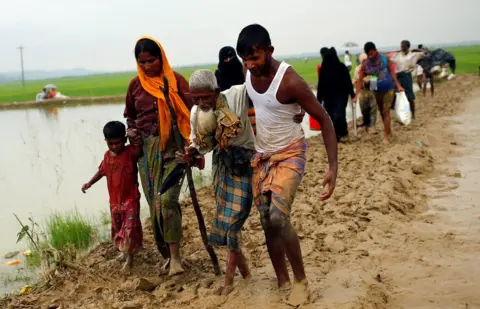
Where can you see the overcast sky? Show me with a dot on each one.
(101, 34)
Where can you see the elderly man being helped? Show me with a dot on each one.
(220, 122)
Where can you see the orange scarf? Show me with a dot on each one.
(153, 86)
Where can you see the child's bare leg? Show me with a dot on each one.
(175, 260)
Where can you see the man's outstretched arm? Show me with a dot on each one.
(301, 94)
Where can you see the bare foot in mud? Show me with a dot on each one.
(175, 268)
(227, 290)
(299, 294)
(127, 267)
(121, 257)
(385, 140)
(166, 266)
(285, 287)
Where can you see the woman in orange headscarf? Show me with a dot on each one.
(147, 112)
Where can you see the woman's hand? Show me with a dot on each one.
(186, 157)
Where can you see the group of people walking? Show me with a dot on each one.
(375, 81)
(250, 117)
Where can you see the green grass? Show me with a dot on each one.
(69, 230)
(468, 60)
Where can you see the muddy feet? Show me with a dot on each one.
(299, 294)
(121, 257)
(227, 290)
(285, 287)
(127, 266)
(167, 267)
(175, 267)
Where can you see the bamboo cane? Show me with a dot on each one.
(198, 212)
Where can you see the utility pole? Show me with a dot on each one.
(21, 63)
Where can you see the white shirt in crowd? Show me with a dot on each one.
(346, 60)
(275, 128)
(406, 62)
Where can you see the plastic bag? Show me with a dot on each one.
(402, 109)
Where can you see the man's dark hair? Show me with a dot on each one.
(406, 42)
(251, 37)
(369, 46)
(420, 46)
(114, 129)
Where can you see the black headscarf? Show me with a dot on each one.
(229, 73)
(334, 77)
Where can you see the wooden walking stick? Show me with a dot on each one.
(181, 145)
(354, 116)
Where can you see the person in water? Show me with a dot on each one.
(382, 80)
(230, 69)
(279, 93)
(119, 165)
(334, 88)
(146, 110)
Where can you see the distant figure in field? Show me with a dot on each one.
(382, 81)
(230, 70)
(334, 88)
(406, 62)
(367, 102)
(323, 51)
(347, 61)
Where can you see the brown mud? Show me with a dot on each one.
(375, 244)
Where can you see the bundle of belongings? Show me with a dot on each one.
(435, 63)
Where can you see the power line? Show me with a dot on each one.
(21, 63)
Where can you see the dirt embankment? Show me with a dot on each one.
(345, 241)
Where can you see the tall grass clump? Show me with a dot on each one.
(64, 230)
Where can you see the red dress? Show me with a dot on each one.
(122, 182)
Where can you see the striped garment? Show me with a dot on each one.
(233, 195)
(279, 173)
(154, 167)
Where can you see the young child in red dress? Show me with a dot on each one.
(119, 165)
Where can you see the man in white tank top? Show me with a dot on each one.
(278, 93)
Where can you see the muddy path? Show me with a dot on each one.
(387, 239)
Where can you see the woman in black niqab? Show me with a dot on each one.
(230, 69)
(334, 87)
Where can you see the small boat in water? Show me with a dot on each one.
(49, 92)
